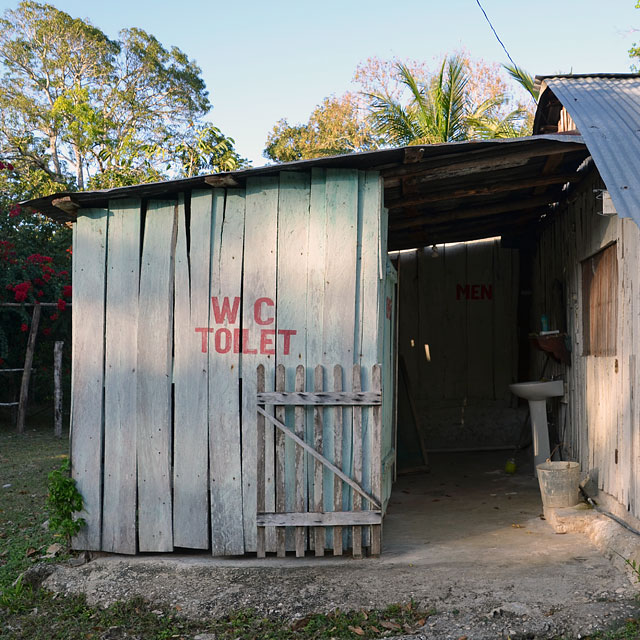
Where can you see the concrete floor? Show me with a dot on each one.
(466, 540)
(467, 505)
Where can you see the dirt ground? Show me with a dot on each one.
(466, 540)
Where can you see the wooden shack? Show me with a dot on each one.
(256, 353)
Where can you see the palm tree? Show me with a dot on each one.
(524, 79)
(440, 110)
(488, 122)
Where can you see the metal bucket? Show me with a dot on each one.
(559, 483)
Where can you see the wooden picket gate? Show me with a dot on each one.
(308, 488)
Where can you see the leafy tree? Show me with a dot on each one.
(336, 126)
(207, 149)
(524, 79)
(634, 52)
(441, 110)
(83, 110)
(467, 99)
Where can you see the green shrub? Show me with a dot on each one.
(63, 501)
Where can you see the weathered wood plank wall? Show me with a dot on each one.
(90, 238)
(191, 309)
(199, 290)
(121, 332)
(596, 418)
(458, 338)
(225, 442)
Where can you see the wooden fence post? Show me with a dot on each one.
(260, 484)
(281, 549)
(57, 388)
(318, 499)
(26, 374)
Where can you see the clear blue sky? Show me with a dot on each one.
(263, 60)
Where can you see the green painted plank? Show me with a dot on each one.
(89, 256)
(227, 536)
(154, 452)
(338, 323)
(291, 304)
(120, 467)
(190, 375)
(370, 310)
(259, 295)
(315, 299)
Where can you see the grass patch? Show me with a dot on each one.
(630, 631)
(41, 616)
(25, 462)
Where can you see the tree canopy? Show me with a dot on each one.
(338, 125)
(81, 110)
(403, 103)
(78, 109)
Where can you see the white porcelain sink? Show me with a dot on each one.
(537, 393)
(538, 390)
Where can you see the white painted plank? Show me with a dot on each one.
(291, 304)
(356, 538)
(89, 263)
(370, 315)
(227, 533)
(153, 416)
(190, 375)
(280, 464)
(338, 324)
(300, 478)
(376, 458)
(338, 385)
(318, 445)
(315, 296)
(259, 295)
(123, 264)
(261, 546)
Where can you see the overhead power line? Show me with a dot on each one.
(495, 33)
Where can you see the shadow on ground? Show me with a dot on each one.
(467, 540)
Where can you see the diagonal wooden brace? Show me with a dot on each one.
(354, 485)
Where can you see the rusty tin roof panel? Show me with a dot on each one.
(606, 110)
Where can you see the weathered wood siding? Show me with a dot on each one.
(458, 338)
(597, 417)
(200, 290)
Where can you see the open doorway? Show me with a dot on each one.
(458, 351)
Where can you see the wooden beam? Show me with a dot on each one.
(319, 519)
(31, 304)
(514, 151)
(221, 181)
(413, 154)
(503, 187)
(398, 223)
(459, 233)
(454, 170)
(346, 399)
(67, 205)
(551, 164)
(320, 458)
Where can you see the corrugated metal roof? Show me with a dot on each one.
(606, 110)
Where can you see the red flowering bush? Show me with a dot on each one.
(35, 267)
